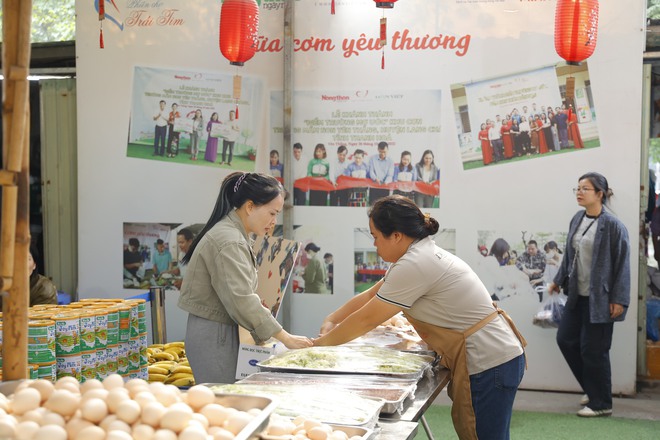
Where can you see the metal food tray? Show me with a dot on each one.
(417, 375)
(351, 431)
(399, 389)
(245, 402)
(369, 422)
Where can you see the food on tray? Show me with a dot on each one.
(305, 428)
(325, 404)
(396, 333)
(359, 359)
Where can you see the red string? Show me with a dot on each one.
(332, 7)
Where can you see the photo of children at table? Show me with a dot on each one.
(361, 178)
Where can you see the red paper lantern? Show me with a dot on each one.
(386, 5)
(239, 25)
(576, 29)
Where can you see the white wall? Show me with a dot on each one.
(504, 38)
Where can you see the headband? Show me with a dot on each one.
(239, 181)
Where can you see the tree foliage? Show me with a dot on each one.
(52, 20)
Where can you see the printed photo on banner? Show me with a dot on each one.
(313, 271)
(525, 115)
(352, 147)
(369, 268)
(275, 259)
(194, 118)
(518, 266)
(148, 255)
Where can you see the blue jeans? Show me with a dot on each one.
(493, 392)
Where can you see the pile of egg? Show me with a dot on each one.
(114, 410)
(302, 428)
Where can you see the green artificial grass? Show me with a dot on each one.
(527, 425)
(238, 163)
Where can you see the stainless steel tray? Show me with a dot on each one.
(351, 367)
(393, 391)
(328, 405)
(245, 402)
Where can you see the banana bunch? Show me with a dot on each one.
(168, 364)
(172, 351)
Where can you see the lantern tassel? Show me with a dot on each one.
(382, 61)
(332, 7)
(101, 45)
(236, 111)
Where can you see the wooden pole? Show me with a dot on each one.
(15, 240)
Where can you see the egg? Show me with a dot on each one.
(311, 423)
(222, 434)
(118, 435)
(91, 432)
(45, 388)
(94, 410)
(113, 381)
(142, 432)
(63, 402)
(237, 421)
(152, 412)
(216, 414)
(26, 429)
(136, 385)
(338, 435)
(52, 418)
(199, 396)
(26, 400)
(192, 433)
(115, 397)
(118, 425)
(94, 393)
(36, 415)
(317, 433)
(175, 419)
(164, 434)
(90, 384)
(106, 422)
(50, 432)
(199, 418)
(8, 427)
(69, 386)
(128, 411)
(280, 427)
(144, 397)
(75, 425)
(166, 396)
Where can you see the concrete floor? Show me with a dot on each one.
(645, 405)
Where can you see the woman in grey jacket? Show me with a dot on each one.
(595, 274)
(219, 288)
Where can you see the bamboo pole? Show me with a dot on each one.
(16, 22)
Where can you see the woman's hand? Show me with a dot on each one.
(553, 288)
(615, 310)
(293, 341)
(326, 327)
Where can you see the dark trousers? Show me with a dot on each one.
(377, 193)
(227, 144)
(318, 198)
(299, 197)
(159, 140)
(586, 348)
(339, 197)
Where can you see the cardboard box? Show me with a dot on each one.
(653, 359)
